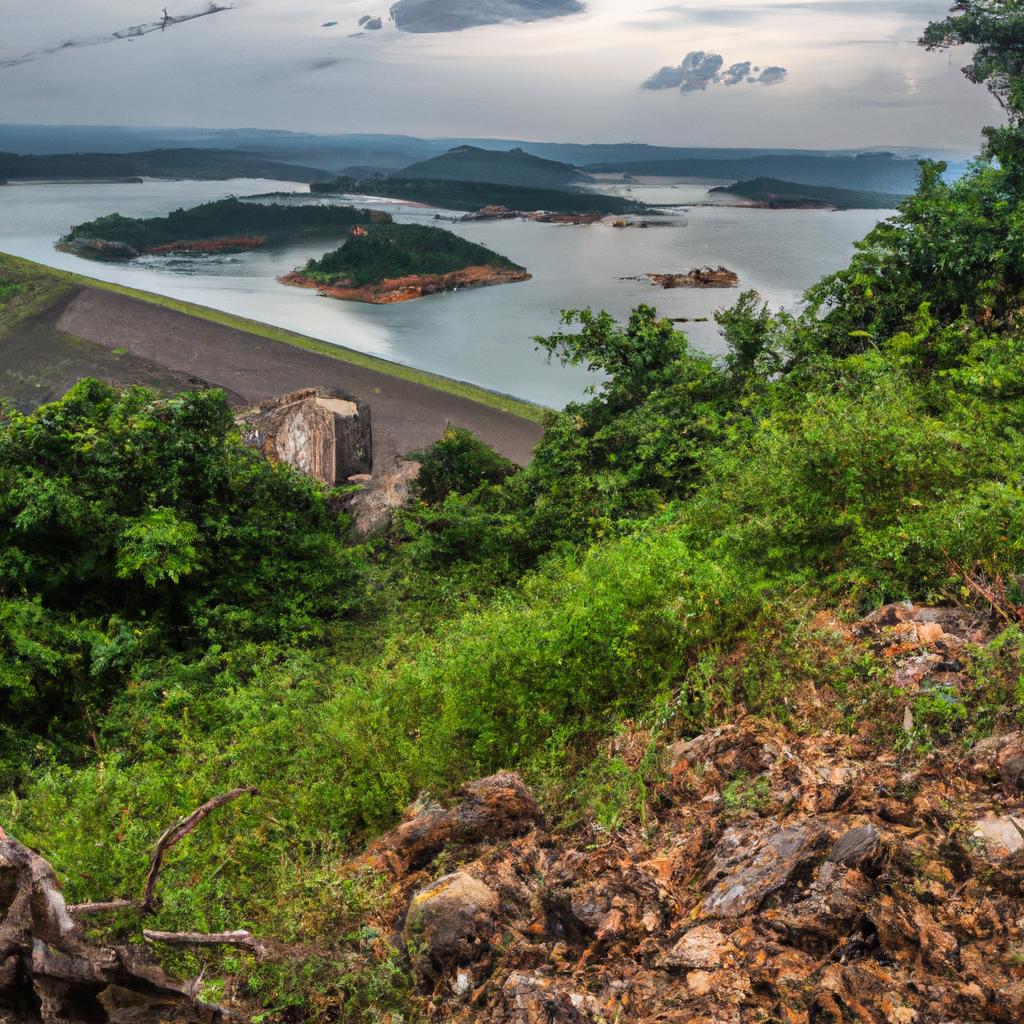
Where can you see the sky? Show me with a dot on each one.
(785, 73)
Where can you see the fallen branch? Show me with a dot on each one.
(170, 838)
(103, 907)
(238, 939)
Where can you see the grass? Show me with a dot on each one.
(26, 290)
(45, 285)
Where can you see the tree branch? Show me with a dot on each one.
(238, 939)
(176, 833)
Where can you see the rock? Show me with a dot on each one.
(703, 948)
(447, 922)
(699, 277)
(855, 847)
(1002, 835)
(999, 758)
(497, 807)
(531, 999)
(326, 436)
(757, 869)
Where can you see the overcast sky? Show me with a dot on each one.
(851, 74)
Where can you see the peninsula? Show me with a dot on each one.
(227, 225)
(397, 262)
(474, 196)
(774, 194)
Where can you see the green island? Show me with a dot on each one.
(773, 194)
(397, 262)
(198, 164)
(720, 694)
(225, 225)
(472, 196)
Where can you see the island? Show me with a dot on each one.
(177, 163)
(774, 194)
(699, 277)
(226, 225)
(479, 197)
(389, 263)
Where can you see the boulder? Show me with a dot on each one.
(448, 921)
(497, 807)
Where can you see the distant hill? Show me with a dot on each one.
(503, 167)
(775, 194)
(338, 153)
(877, 173)
(197, 164)
(474, 195)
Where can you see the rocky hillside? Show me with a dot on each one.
(775, 875)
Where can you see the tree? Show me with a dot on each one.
(996, 29)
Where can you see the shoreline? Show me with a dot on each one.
(510, 404)
(409, 288)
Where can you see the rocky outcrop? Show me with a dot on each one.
(326, 436)
(413, 286)
(699, 277)
(806, 879)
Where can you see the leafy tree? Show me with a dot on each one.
(996, 29)
(132, 528)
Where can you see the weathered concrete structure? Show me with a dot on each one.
(325, 435)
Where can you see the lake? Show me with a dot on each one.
(484, 335)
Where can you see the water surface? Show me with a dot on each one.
(483, 335)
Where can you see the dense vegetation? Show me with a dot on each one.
(225, 218)
(201, 625)
(779, 195)
(502, 167)
(397, 250)
(870, 172)
(474, 195)
(218, 164)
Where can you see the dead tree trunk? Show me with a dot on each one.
(50, 975)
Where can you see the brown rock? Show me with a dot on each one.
(448, 921)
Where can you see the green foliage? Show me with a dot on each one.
(131, 529)
(398, 250)
(458, 463)
(474, 195)
(780, 195)
(743, 793)
(226, 218)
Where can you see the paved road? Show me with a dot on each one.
(406, 416)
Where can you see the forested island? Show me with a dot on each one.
(773, 194)
(225, 225)
(398, 262)
(472, 196)
(197, 164)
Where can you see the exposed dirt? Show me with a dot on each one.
(39, 362)
(406, 416)
(413, 286)
(850, 883)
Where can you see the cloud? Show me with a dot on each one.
(736, 74)
(698, 70)
(456, 15)
(770, 76)
(130, 33)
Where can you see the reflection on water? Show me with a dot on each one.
(482, 335)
